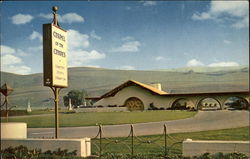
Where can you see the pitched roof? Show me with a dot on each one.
(133, 83)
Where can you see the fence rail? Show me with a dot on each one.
(164, 143)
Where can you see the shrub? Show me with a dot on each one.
(152, 107)
(21, 152)
(112, 105)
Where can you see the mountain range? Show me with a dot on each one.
(97, 81)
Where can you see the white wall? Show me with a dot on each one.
(199, 147)
(83, 146)
(134, 91)
(159, 101)
(13, 130)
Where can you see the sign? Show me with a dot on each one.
(55, 65)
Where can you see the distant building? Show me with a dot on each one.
(138, 96)
(134, 95)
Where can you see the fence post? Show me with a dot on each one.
(165, 139)
(100, 132)
(132, 139)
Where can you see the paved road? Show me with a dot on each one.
(204, 120)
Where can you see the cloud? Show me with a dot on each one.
(201, 16)
(77, 43)
(36, 35)
(127, 67)
(20, 69)
(234, 8)
(77, 40)
(35, 48)
(66, 18)
(21, 52)
(10, 59)
(241, 23)
(71, 18)
(21, 19)
(159, 58)
(223, 64)
(194, 62)
(12, 63)
(81, 57)
(220, 10)
(227, 41)
(6, 50)
(92, 66)
(94, 35)
(148, 3)
(128, 38)
(129, 45)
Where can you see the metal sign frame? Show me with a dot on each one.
(48, 65)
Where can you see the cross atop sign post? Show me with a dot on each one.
(55, 64)
(55, 20)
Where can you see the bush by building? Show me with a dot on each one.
(21, 152)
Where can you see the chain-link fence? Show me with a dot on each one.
(162, 144)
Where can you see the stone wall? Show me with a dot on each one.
(103, 109)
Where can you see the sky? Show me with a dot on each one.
(128, 35)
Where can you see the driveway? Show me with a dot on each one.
(203, 120)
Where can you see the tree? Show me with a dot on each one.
(77, 97)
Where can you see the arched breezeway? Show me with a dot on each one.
(182, 104)
(138, 96)
(208, 103)
(134, 103)
(236, 102)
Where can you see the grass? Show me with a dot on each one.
(33, 112)
(24, 112)
(114, 145)
(104, 118)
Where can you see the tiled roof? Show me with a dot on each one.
(156, 91)
(132, 83)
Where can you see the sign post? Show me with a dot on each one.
(6, 90)
(55, 65)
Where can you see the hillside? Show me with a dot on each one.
(207, 69)
(98, 81)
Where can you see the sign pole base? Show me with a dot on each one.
(56, 91)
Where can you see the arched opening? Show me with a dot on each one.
(208, 104)
(237, 103)
(134, 103)
(182, 104)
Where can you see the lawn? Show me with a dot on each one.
(68, 119)
(24, 112)
(155, 144)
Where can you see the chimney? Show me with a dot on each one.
(156, 85)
